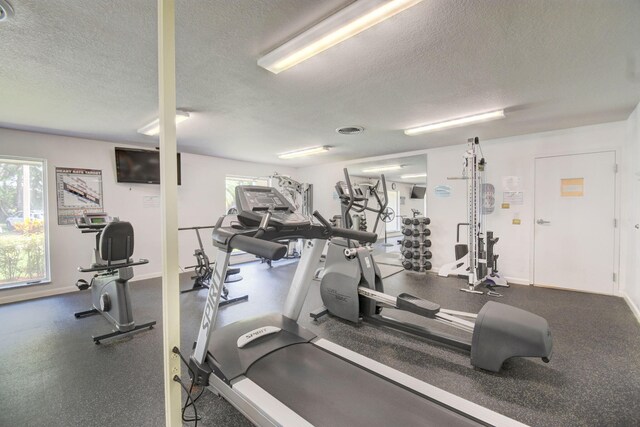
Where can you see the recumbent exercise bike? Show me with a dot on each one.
(112, 263)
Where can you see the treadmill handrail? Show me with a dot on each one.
(223, 236)
(262, 248)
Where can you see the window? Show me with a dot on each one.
(233, 181)
(24, 257)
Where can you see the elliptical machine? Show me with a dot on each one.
(352, 289)
(112, 263)
(354, 199)
(476, 260)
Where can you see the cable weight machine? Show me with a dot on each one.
(479, 263)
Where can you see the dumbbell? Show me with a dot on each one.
(415, 232)
(416, 254)
(409, 254)
(416, 221)
(416, 266)
(408, 243)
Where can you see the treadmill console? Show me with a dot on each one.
(94, 221)
(254, 202)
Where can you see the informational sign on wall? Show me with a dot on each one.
(511, 183)
(572, 187)
(513, 197)
(151, 202)
(442, 191)
(78, 191)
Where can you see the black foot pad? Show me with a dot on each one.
(417, 305)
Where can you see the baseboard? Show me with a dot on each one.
(512, 280)
(37, 294)
(517, 281)
(632, 306)
(582, 291)
(31, 294)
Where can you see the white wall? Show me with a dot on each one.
(505, 157)
(630, 213)
(201, 197)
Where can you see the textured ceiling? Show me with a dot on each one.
(89, 69)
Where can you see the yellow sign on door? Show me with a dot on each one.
(572, 187)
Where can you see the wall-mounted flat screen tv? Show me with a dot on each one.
(418, 192)
(139, 166)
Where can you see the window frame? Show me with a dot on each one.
(254, 179)
(45, 214)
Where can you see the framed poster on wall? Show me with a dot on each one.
(78, 191)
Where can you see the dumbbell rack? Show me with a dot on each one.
(359, 221)
(363, 222)
(416, 243)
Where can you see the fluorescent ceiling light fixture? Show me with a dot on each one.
(383, 168)
(304, 152)
(153, 128)
(344, 24)
(6, 10)
(414, 175)
(493, 115)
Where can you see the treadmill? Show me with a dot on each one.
(278, 373)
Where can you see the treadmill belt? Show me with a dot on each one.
(329, 391)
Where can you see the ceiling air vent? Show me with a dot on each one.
(350, 130)
(6, 11)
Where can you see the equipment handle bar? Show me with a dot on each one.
(458, 231)
(361, 236)
(201, 227)
(262, 248)
(323, 221)
(352, 197)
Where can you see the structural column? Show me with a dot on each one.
(169, 197)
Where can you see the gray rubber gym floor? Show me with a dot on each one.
(51, 373)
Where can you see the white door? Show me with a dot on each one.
(574, 222)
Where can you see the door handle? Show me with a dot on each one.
(542, 222)
(637, 226)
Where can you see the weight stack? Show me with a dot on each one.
(416, 244)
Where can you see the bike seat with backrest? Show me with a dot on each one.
(116, 244)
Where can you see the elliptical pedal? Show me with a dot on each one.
(419, 306)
